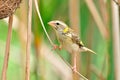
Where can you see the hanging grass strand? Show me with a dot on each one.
(43, 26)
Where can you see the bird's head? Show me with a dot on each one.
(58, 26)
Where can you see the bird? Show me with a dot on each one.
(68, 39)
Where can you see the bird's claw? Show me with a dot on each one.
(56, 47)
(60, 47)
(74, 69)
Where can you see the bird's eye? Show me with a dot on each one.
(58, 23)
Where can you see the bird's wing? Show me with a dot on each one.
(74, 37)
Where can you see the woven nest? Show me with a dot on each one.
(8, 7)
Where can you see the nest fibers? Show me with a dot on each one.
(8, 7)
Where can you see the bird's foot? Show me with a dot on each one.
(60, 47)
(56, 47)
(74, 69)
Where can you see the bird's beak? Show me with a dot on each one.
(51, 23)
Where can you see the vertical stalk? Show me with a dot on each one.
(74, 15)
(116, 39)
(22, 33)
(74, 23)
(27, 77)
(7, 49)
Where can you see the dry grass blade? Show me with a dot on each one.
(116, 39)
(97, 19)
(27, 77)
(6, 58)
(104, 12)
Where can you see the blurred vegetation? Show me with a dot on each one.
(94, 67)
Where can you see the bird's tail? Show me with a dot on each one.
(87, 49)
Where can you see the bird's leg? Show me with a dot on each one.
(74, 63)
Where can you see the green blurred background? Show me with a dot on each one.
(45, 64)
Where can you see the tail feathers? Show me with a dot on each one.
(87, 49)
